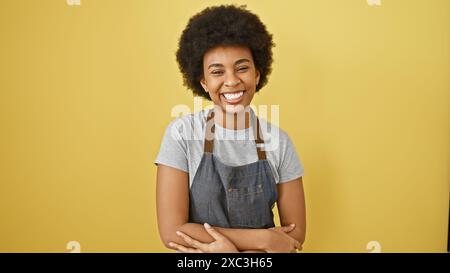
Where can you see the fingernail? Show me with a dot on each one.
(207, 225)
(178, 233)
(171, 244)
(292, 225)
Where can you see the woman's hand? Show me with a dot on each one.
(221, 244)
(279, 241)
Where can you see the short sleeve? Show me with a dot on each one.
(290, 167)
(173, 150)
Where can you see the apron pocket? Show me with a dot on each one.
(247, 207)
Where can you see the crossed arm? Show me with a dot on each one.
(172, 201)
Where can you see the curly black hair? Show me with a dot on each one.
(222, 25)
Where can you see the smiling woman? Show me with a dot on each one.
(216, 194)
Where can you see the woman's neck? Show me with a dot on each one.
(233, 121)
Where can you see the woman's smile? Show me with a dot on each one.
(232, 97)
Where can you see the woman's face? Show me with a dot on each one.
(230, 77)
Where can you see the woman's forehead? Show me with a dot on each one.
(228, 54)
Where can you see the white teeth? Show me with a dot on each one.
(233, 96)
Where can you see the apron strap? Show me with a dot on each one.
(209, 133)
(209, 136)
(259, 142)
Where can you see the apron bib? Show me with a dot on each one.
(232, 196)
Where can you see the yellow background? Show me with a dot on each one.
(87, 91)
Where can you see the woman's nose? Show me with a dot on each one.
(231, 80)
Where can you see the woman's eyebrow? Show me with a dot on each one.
(235, 63)
(241, 61)
(215, 65)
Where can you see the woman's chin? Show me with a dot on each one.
(233, 108)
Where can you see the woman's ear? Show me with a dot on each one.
(257, 77)
(203, 83)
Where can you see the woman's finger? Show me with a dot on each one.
(288, 228)
(191, 241)
(297, 245)
(184, 249)
(214, 233)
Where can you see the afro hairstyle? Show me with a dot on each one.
(218, 26)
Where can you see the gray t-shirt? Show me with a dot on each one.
(183, 142)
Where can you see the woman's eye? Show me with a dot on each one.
(242, 68)
(217, 72)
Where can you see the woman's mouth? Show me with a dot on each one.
(232, 97)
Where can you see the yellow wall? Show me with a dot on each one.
(86, 92)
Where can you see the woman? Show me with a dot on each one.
(217, 180)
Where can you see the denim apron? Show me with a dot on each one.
(232, 196)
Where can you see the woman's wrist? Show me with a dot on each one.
(264, 239)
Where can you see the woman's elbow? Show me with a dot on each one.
(299, 236)
(168, 235)
(166, 241)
